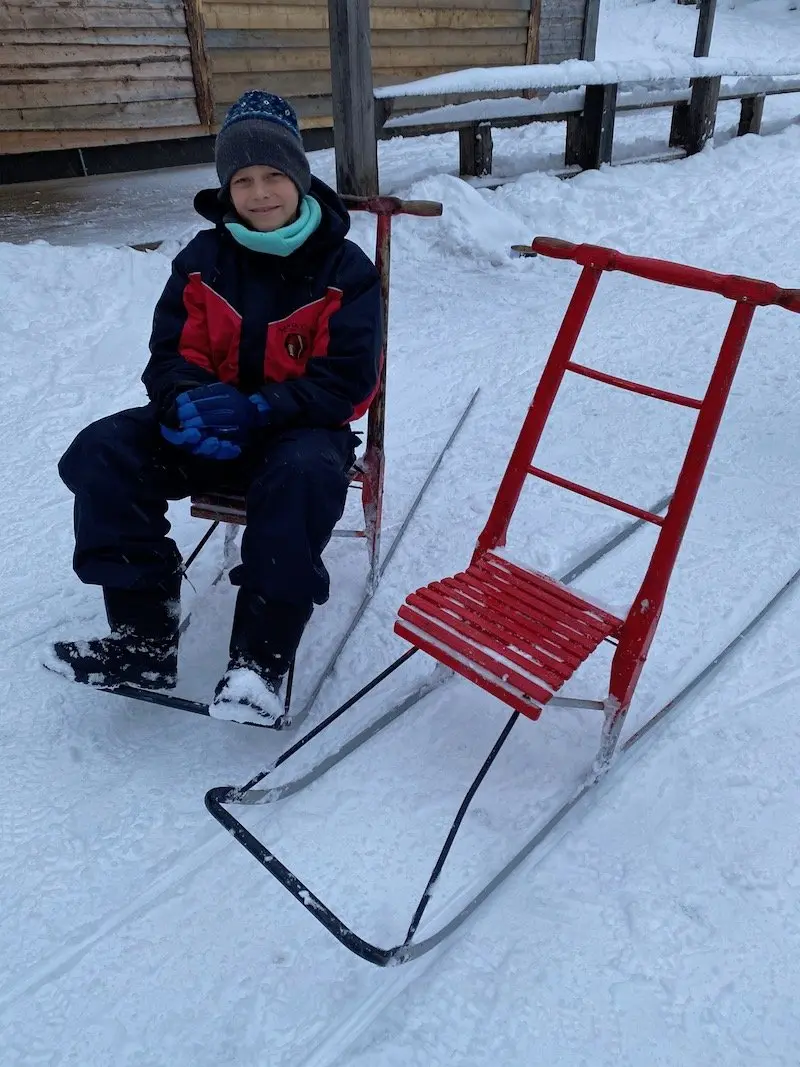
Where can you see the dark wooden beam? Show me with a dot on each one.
(693, 123)
(751, 114)
(705, 27)
(475, 150)
(590, 135)
(591, 17)
(354, 133)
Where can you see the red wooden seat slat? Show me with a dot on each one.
(495, 636)
(515, 699)
(555, 626)
(490, 666)
(499, 624)
(549, 586)
(537, 633)
(578, 615)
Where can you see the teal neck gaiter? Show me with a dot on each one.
(287, 239)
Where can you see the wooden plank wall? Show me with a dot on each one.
(283, 46)
(77, 73)
(561, 30)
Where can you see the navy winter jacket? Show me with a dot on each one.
(304, 329)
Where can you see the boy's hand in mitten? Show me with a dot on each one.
(196, 442)
(217, 410)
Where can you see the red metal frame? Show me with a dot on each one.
(519, 634)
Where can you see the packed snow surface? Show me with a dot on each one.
(661, 926)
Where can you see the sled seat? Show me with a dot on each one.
(516, 633)
(230, 506)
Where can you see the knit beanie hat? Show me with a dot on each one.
(261, 129)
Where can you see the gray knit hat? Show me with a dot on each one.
(261, 129)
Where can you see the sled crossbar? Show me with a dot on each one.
(592, 494)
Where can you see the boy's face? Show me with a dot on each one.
(264, 197)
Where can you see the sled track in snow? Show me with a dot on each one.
(392, 982)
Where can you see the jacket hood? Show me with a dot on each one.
(333, 229)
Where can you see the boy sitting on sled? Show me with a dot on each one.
(265, 345)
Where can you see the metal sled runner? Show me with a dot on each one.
(516, 633)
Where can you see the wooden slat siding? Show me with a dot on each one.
(48, 141)
(91, 55)
(303, 17)
(102, 116)
(68, 94)
(175, 40)
(95, 70)
(170, 68)
(561, 30)
(265, 60)
(93, 5)
(469, 5)
(219, 41)
(90, 18)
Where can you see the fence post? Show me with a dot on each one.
(590, 135)
(591, 17)
(693, 123)
(354, 132)
(475, 150)
(680, 134)
(705, 27)
(751, 114)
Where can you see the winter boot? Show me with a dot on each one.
(142, 649)
(264, 640)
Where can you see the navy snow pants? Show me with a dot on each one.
(123, 473)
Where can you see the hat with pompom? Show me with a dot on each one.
(261, 129)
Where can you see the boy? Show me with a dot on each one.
(265, 345)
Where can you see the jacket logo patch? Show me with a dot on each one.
(295, 345)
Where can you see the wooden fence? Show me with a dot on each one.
(284, 47)
(81, 73)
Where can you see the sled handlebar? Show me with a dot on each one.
(732, 286)
(393, 205)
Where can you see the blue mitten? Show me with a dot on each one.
(193, 440)
(261, 404)
(218, 410)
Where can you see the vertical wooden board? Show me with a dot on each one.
(355, 137)
(201, 65)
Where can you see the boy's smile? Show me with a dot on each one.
(264, 197)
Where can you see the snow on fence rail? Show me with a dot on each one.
(587, 96)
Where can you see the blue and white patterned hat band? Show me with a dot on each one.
(257, 104)
(261, 129)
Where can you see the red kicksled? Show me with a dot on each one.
(519, 634)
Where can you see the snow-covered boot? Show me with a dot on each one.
(264, 639)
(142, 649)
(245, 695)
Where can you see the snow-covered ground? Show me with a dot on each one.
(663, 925)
